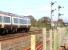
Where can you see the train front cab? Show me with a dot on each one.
(24, 24)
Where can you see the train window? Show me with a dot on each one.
(22, 21)
(28, 21)
(6, 19)
(15, 20)
(0, 19)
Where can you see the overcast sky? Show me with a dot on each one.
(37, 8)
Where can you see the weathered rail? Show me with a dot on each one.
(16, 35)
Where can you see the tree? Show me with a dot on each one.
(60, 22)
(45, 21)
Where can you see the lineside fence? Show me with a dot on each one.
(52, 39)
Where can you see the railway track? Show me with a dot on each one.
(17, 35)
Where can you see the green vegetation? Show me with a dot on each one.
(41, 25)
(66, 33)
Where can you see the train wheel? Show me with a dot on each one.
(3, 32)
(10, 31)
(21, 30)
(7, 31)
(13, 31)
(26, 29)
(16, 30)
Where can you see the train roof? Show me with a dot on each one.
(10, 14)
(14, 15)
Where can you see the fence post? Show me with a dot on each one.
(51, 40)
(33, 42)
(59, 36)
(55, 40)
(44, 38)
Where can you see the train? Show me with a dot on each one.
(13, 24)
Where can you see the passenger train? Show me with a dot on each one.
(12, 24)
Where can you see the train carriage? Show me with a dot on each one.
(5, 23)
(14, 24)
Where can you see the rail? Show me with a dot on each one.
(17, 35)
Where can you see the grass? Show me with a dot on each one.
(66, 32)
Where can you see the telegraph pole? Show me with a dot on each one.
(52, 25)
(59, 14)
(52, 10)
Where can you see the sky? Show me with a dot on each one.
(36, 8)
